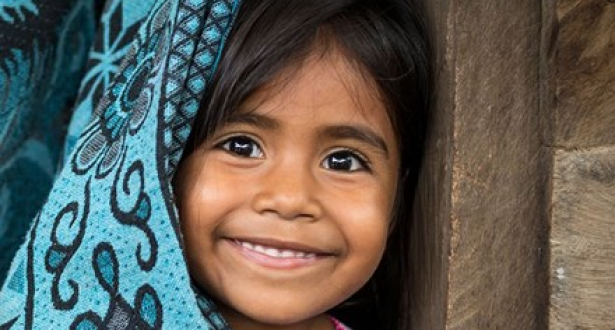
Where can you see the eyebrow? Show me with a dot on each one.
(253, 119)
(355, 132)
(360, 133)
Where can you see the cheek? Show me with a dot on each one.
(376, 207)
(204, 192)
(367, 232)
(364, 221)
(366, 210)
(202, 205)
(198, 192)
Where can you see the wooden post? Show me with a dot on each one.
(480, 257)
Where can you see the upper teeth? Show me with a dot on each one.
(276, 253)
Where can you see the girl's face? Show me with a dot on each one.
(285, 209)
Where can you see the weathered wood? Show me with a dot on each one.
(578, 71)
(583, 72)
(583, 240)
(498, 233)
(511, 89)
(486, 173)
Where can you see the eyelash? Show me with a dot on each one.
(364, 164)
(246, 140)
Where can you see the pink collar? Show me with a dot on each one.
(338, 325)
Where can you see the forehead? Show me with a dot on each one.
(322, 79)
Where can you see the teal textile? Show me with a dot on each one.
(43, 50)
(104, 252)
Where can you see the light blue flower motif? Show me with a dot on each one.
(102, 143)
(18, 6)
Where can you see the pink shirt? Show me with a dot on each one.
(338, 325)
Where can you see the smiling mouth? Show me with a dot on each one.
(275, 252)
(280, 255)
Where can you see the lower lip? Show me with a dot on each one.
(272, 262)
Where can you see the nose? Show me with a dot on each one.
(290, 192)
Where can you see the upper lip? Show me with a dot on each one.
(284, 245)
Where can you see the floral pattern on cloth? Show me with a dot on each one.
(43, 50)
(105, 252)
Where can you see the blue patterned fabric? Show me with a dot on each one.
(118, 25)
(105, 250)
(43, 50)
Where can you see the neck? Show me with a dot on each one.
(239, 321)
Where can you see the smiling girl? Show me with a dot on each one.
(296, 185)
(302, 127)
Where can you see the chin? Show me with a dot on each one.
(270, 314)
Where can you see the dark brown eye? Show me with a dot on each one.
(242, 146)
(345, 160)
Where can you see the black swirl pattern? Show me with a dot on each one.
(58, 255)
(88, 320)
(131, 206)
(146, 313)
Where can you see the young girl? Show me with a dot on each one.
(290, 207)
(296, 184)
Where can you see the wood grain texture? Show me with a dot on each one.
(479, 247)
(583, 240)
(583, 73)
(497, 260)
(521, 85)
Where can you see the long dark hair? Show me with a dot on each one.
(386, 40)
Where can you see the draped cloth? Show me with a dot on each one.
(105, 250)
